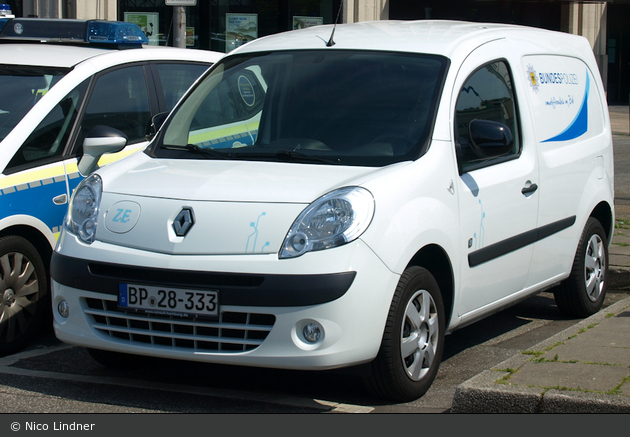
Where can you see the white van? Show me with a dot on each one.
(331, 197)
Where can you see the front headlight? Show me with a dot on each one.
(334, 219)
(82, 217)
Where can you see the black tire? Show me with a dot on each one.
(403, 376)
(24, 299)
(117, 360)
(582, 293)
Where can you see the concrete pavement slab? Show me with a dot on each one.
(569, 376)
(588, 353)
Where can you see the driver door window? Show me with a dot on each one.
(486, 95)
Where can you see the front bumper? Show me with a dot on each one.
(265, 304)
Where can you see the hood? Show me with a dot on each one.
(226, 181)
(224, 207)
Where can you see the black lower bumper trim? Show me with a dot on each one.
(235, 288)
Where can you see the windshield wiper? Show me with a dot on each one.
(282, 155)
(295, 156)
(287, 156)
(208, 153)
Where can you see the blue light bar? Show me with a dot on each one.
(95, 32)
(115, 32)
(5, 14)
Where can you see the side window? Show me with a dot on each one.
(119, 100)
(486, 95)
(49, 139)
(176, 79)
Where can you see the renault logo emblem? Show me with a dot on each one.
(183, 222)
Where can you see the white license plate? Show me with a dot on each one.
(169, 301)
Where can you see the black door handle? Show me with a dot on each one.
(529, 189)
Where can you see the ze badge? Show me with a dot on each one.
(122, 216)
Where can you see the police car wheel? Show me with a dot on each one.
(413, 340)
(23, 293)
(583, 293)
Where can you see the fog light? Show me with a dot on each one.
(63, 308)
(312, 332)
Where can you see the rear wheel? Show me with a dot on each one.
(23, 293)
(582, 293)
(413, 340)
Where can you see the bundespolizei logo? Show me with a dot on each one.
(532, 77)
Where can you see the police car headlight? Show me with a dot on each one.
(82, 217)
(333, 220)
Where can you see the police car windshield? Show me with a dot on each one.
(345, 107)
(22, 87)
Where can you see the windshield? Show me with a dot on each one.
(336, 107)
(22, 87)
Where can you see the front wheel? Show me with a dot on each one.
(413, 340)
(24, 298)
(582, 293)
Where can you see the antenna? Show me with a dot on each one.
(330, 42)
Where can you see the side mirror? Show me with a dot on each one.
(154, 125)
(100, 140)
(490, 139)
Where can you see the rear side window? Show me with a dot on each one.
(487, 95)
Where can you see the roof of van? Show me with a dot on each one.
(425, 36)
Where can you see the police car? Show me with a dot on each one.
(58, 80)
(346, 196)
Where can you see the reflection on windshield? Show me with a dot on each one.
(22, 87)
(347, 107)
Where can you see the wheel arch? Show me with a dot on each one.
(603, 213)
(437, 262)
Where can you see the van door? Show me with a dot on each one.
(497, 191)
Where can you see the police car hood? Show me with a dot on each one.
(200, 207)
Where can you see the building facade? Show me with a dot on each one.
(222, 25)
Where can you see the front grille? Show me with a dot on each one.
(233, 332)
